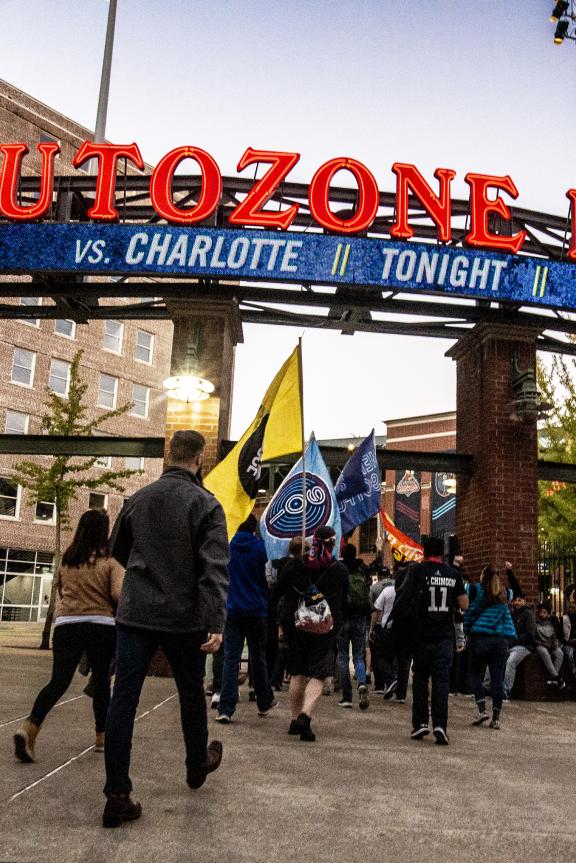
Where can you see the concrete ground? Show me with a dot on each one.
(363, 791)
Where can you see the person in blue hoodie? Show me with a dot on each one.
(247, 612)
(488, 623)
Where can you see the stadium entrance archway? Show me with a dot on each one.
(499, 307)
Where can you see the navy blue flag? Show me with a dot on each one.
(358, 486)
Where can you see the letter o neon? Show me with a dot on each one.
(161, 186)
(368, 196)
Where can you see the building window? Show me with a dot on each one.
(113, 334)
(368, 535)
(23, 365)
(104, 461)
(25, 583)
(107, 392)
(134, 462)
(140, 398)
(45, 512)
(16, 423)
(144, 347)
(59, 379)
(31, 301)
(9, 498)
(97, 500)
(65, 328)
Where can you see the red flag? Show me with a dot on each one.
(401, 544)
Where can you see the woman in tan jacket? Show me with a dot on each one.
(89, 583)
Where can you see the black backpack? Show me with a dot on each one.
(409, 608)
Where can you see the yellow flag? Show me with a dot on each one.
(275, 431)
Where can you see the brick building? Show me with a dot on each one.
(123, 361)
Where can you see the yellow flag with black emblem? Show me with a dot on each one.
(276, 430)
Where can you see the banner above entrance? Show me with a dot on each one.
(285, 256)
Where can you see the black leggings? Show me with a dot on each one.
(69, 643)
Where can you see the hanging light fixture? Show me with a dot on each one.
(561, 31)
(560, 9)
(189, 387)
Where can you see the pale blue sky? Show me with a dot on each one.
(475, 86)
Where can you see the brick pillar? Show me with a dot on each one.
(497, 508)
(220, 331)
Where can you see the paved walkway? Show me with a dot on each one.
(363, 792)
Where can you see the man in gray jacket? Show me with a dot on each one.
(171, 537)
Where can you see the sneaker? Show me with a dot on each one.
(377, 692)
(481, 718)
(295, 727)
(441, 736)
(561, 683)
(306, 732)
(328, 687)
(251, 695)
(400, 701)
(506, 699)
(265, 712)
(120, 808)
(215, 701)
(364, 697)
(223, 719)
(344, 703)
(197, 778)
(420, 732)
(208, 691)
(495, 724)
(552, 682)
(390, 690)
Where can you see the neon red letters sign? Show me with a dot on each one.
(485, 193)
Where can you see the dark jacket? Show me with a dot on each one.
(248, 588)
(295, 579)
(171, 537)
(525, 625)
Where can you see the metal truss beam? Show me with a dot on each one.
(78, 445)
(347, 309)
(153, 447)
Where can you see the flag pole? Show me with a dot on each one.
(301, 378)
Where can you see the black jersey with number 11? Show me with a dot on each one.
(443, 586)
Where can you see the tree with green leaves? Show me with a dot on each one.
(557, 442)
(61, 480)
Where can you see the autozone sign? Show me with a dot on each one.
(485, 193)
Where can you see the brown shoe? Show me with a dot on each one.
(120, 808)
(24, 741)
(197, 778)
(99, 744)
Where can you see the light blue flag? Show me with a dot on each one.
(358, 487)
(282, 518)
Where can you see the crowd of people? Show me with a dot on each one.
(167, 577)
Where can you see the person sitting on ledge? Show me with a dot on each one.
(524, 643)
(548, 640)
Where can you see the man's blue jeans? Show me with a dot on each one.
(432, 659)
(135, 649)
(253, 630)
(353, 632)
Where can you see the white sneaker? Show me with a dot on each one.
(223, 718)
(215, 701)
